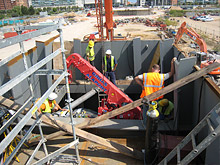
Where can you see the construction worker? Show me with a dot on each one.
(165, 108)
(152, 82)
(50, 105)
(90, 54)
(109, 67)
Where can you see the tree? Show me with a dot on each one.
(2, 16)
(24, 10)
(31, 10)
(48, 9)
(16, 11)
(44, 9)
(54, 9)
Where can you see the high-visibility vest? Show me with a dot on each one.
(48, 108)
(168, 109)
(112, 63)
(90, 52)
(152, 82)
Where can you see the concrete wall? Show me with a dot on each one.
(44, 49)
(134, 57)
(205, 98)
(192, 103)
(21, 92)
(183, 97)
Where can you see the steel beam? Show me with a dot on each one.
(56, 153)
(83, 98)
(6, 141)
(9, 121)
(21, 142)
(9, 85)
(4, 61)
(20, 28)
(26, 36)
(48, 72)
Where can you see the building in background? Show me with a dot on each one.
(7, 4)
(22, 2)
(52, 3)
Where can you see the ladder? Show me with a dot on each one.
(212, 120)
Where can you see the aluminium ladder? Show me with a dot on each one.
(212, 120)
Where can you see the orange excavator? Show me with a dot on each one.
(193, 35)
(196, 37)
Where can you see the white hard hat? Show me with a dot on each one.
(52, 96)
(108, 51)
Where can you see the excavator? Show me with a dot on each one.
(203, 47)
(116, 98)
(192, 34)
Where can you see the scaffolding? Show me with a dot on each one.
(32, 112)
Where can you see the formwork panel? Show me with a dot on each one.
(183, 97)
(148, 49)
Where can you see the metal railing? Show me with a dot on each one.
(29, 71)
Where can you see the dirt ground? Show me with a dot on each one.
(86, 25)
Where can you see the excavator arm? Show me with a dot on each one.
(193, 35)
(116, 98)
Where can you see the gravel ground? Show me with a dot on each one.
(80, 29)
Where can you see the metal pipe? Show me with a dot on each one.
(68, 88)
(14, 40)
(15, 116)
(9, 85)
(6, 141)
(21, 142)
(83, 98)
(56, 153)
(35, 151)
(42, 136)
(25, 64)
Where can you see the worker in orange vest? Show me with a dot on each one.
(152, 82)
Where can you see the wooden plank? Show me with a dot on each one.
(212, 85)
(48, 137)
(156, 57)
(150, 97)
(48, 119)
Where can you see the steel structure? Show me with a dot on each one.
(116, 98)
(99, 15)
(30, 71)
(212, 120)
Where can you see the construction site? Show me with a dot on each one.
(105, 122)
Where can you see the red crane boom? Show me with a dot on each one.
(116, 98)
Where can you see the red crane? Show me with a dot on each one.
(116, 98)
(109, 23)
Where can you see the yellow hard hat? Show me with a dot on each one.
(163, 102)
(91, 43)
